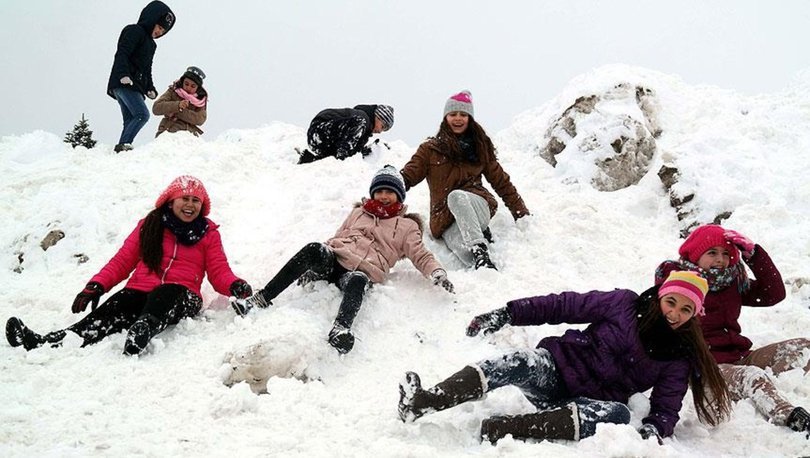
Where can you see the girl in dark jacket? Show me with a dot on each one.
(184, 104)
(585, 377)
(131, 74)
(716, 253)
(453, 163)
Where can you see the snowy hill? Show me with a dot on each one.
(746, 154)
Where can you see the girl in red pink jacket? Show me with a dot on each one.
(715, 253)
(170, 251)
(373, 238)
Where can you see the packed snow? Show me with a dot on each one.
(746, 154)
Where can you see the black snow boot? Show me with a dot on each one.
(305, 157)
(139, 334)
(481, 259)
(799, 420)
(18, 334)
(414, 401)
(341, 338)
(561, 423)
(243, 306)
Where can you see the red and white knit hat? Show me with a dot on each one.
(688, 284)
(705, 237)
(185, 185)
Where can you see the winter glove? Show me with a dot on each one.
(743, 243)
(489, 322)
(126, 81)
(151, 94)
(91, 293)
(439, 277)
(647, 431)
(241, 290)
(365, 151)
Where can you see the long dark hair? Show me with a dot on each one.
(152, 239)
(448, 138)
(713, 405)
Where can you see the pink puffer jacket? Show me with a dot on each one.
(181, 264)
(373, 245)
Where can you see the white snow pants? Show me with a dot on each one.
(471, 212)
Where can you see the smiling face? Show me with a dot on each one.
(186, 208)
(385, 196)
(458, 121)
(714, 257)
(677, 309)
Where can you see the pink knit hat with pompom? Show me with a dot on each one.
(185, 185)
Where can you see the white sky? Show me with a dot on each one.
(284, 61)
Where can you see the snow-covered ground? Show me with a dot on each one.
(747, 154)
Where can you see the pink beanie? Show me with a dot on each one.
(459, 102)
(688, 284)
(185, 185)
(705, 237)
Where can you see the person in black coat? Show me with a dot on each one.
(131, 75)
(344, 132)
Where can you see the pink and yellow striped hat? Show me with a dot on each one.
(688, 284)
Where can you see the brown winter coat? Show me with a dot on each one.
(190, 119)
(444, 175)
(373, 245)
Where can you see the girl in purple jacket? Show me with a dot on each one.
(168, 254)
(716, 253)
(585, 377)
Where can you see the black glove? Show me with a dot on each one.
(151, 94)
(647, 431)
(241, 290)
(365, 151)
(489, 322)
(91, 293)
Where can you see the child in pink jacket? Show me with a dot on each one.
(373, 238)
(170, 251)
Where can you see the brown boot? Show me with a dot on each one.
(561, 423)
(414, 401)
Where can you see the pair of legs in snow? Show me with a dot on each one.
(534, 372)
(747, 379)
(317, 261)
(143, 314)
(135, 114)
(467, 237)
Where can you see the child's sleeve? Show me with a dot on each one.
(418, 253)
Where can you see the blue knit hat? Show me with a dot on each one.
(388, 177)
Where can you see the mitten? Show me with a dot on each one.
(489, 322)
(647, 431)
(241, 290)
(151, 94)
(439, 277)
(126, 81)
(91, 293)
(743, 243)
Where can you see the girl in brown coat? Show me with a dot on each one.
(453, 162)
(376, 235)
(184, 104)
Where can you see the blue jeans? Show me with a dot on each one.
(134, 111)
(535, 373)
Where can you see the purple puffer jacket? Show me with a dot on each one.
(606, 361)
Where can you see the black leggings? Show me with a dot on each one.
(318, 262)
(164, 305)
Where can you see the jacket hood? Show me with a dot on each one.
(156, 13)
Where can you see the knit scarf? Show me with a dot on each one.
(381, 211)
(660, 341)
(186, 233)
(192, 98)
(466, 144)
(718, 278)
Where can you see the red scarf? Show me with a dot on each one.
(381, 211)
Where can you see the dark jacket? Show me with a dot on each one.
(136, 48)
(332, 124)
(720, 326)
(444, 174)
(606, 361)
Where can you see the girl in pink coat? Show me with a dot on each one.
(373, 238)
(170, 251)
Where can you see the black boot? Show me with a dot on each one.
(562, 423)
(353, 285)
(18, 334)
(140, 333)
(305, 157)
(799, 420)
(243, 306)
(481, 259)
(341, 338)
(414, 401)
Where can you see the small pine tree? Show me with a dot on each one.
(81, 135)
